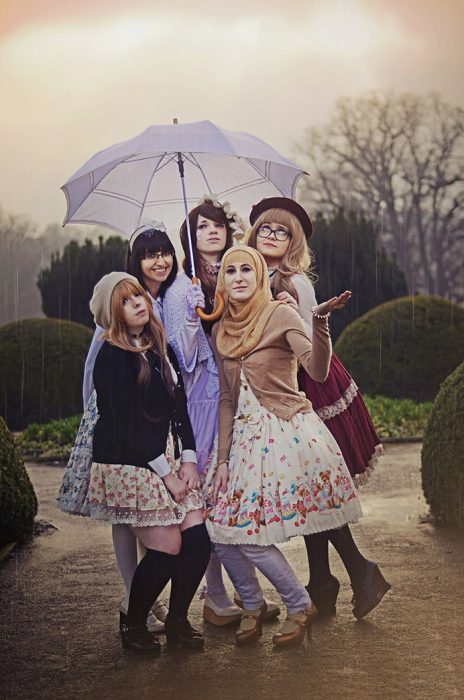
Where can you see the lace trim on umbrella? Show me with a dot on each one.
(327, 412)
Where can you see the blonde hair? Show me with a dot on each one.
(153, 336)
(298, 259)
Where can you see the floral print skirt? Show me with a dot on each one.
(131, 495)
(286, 478)
(72, 496)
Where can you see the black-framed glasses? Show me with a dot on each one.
(280, 234)
(157, 256)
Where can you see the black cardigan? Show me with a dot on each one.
(123, 433)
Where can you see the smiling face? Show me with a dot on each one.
(156, 267)
(269, 242)
(211, 236)
(240, 281)
(135, 312)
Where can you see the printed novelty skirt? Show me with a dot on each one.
(286, 478)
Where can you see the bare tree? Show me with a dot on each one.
(398, 159)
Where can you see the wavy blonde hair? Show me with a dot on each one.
(153, 337)
(299, 258)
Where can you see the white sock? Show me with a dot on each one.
(125, 549)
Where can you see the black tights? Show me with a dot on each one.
(317, 548)
(185, 571)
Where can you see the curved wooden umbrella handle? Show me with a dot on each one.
(218, 306)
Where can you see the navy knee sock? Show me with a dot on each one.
(194, 558)
(150, 577)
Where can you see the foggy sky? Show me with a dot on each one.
(76, 77)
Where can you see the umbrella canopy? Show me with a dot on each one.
(139, 178)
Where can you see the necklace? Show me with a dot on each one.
(136, 335)
(212, 269)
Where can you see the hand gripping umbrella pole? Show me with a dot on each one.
(218, 300)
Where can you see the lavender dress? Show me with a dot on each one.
(193, 348)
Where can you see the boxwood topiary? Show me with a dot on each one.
(41, 368)
(443, 452)
(18, 502)
(404, 348)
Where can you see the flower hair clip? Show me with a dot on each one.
(236, 223)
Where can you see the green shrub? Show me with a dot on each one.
(18, 502)
(41, 368)
(443, 452)
(49, 441)
(404, 348)
(397, 418)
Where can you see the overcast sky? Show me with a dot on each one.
(79, 75)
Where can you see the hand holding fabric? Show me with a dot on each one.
(176, 487)
(189, 475)
(220, 479)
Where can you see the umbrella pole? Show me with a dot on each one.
(219, 301)
(180, 165)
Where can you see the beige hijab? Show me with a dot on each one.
(242, 325)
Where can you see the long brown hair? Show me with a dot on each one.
(299, 258)
(153, 337)
(208, 281)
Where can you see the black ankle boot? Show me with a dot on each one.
(180, 633)
(138, 639)
(369, 592)
(325, 597)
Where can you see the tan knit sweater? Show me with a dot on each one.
(271, 370)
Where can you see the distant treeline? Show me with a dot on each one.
(24, 252)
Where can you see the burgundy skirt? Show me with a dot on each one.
(338, 402)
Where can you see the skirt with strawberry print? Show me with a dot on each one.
(286, 478)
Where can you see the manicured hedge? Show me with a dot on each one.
(41, 369)
(18, 502)
(404, 348)
(443, 452)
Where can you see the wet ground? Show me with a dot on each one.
(59, 596)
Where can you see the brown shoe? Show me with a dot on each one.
(250, 626)
(295, 627)
(272, 609)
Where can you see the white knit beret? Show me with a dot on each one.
(100, 303)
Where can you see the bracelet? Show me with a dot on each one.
(222, 461)
(321, 316)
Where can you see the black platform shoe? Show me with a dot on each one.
(180, 633)
(138, 639)
(368, 594)
(325, 597)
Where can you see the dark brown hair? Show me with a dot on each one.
(208, 281)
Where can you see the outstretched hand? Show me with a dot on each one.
(332, 304)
